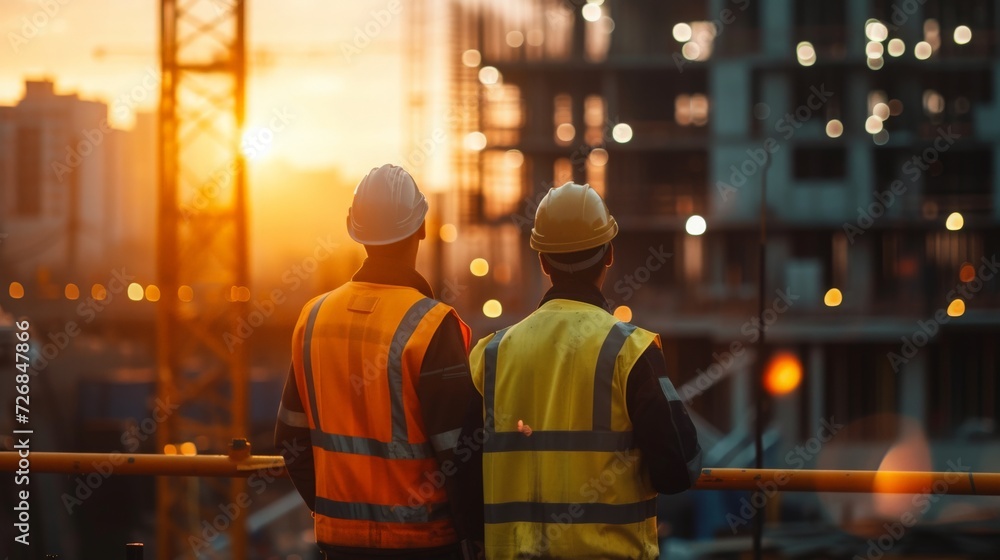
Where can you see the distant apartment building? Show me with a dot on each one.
(77, 197)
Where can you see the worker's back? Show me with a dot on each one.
(357, 357)
(575, 487)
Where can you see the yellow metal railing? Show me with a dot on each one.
(766, 480)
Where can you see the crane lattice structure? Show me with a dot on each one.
(202, 264)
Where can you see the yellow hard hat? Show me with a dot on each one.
(572, 218)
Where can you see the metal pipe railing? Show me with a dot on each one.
(767, 480)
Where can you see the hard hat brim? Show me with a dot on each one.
(414, 223)
(609, 232)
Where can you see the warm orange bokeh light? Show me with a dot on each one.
(623, 313)
(16, 290)
(783, 374)
(967, 273)
(72, 291)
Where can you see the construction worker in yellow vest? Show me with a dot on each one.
(377, 396)
(582, 425)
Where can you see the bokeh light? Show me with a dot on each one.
(135, 292)
(489, 75)
(598, 157)
(922, 50)
(954, 222)
(805, 53)
(72, 291)
(682, 32)
(782, 374)
(962, 35)
(873, 125)
(956, 308)
(695, 225)
(492, 309)
(896, 47)
(623, 313)
(834, 128)
(16, 290)
(591, 12)
(479, 267)
(471, 58)
(474, 141)
(967, 273)
(448, 233)
(833, 297)
(621, 133)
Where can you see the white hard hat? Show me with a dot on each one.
(388, 207)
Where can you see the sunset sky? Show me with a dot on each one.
(348, 111)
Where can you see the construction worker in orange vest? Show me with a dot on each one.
(377, 395)
(582, 425)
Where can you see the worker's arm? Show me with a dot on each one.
(663, 430)
(291, 439)
(448, 400)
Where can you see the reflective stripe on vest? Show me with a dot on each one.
(399, 447)
(381, 513)
(600, 439)
(543, 512)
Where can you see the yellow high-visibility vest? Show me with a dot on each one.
(576, 486)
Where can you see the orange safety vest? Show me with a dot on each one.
(357, 353)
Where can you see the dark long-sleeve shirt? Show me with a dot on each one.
(446, 394)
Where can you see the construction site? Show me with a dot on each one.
(808, 203)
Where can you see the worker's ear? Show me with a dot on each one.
(609, 257)
(545, 265)
(422, 232)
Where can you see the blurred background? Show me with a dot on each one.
(175, 175)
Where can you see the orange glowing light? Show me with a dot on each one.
(783, 374)
(16, 290)
(967, 273)
(623, 313)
